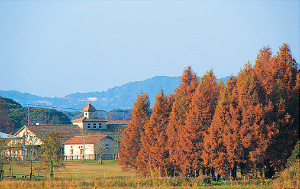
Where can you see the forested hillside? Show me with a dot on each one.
(13, 116)
(119, 97)
(248, 126)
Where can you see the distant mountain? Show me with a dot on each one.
(121, 97)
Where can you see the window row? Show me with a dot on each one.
(94, 126)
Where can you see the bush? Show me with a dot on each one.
(295, 155)
(289, 178)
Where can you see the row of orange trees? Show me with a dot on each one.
(250, 124)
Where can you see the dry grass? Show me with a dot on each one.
(92, 175)
(289, 178)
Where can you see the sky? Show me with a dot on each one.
(55, 48)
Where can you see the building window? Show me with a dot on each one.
(81, 151)
(94, 125)
(85, 113)
(106, 145)
(71, 151)
(100, 126)
(89, 125)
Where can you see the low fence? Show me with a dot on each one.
(88, 157)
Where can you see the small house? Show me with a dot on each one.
(90, 148)
(31, 138)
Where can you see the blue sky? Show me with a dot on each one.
(54, 48)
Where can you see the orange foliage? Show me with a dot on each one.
(250, 124)
(153, 155)
(131, 142)
(199, 116)
(183, 97)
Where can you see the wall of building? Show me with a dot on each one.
(80, 124)
(77, 150)
(95, 125)
(107, 150)
(30, 138)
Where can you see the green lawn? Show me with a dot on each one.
(72, 170)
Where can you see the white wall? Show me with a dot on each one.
(88, 150)
(80, 124)
(30, 139)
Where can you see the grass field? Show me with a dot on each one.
(92, 175)
(72, 170)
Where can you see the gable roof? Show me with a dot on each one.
(65, 131)
(85, 139)
(89, 108)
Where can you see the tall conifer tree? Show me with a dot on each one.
(285, 99)
(214, 149)
(183, 97)
(153, 155)
(199, 117)
(131, 142)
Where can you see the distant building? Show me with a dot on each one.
(90, 147)
(31, 138)
(89, 121)
(84, 134)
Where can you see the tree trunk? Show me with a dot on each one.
(51, 173)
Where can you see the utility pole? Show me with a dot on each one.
(28, 113)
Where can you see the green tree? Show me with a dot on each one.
(6, 124)
(3, 147)
(51, 153)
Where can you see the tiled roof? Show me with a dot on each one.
(118, 122)
(89, 108)
(86, 119)
(79, 120)
(85, 139)
(96, 119)
(65, 131)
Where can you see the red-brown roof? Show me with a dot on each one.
(118, 122)
(89, 108)
(85, 139)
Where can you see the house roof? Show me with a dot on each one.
(85, 139)
(5, 136)
(118, 122)
(65, 131)
(79, 120)
(89, 108)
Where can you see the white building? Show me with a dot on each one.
(90, 147)
(89, 121)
